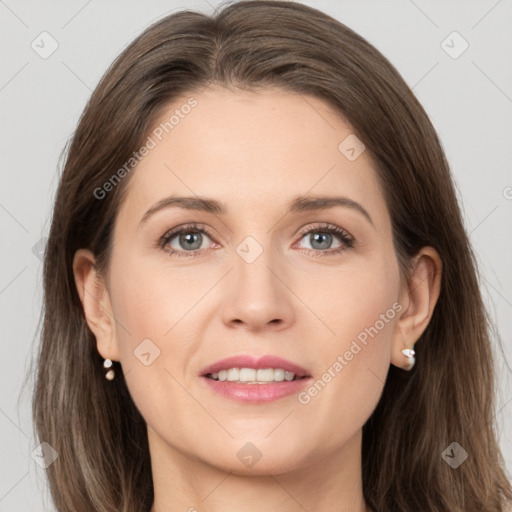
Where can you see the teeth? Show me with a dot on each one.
(279, 375)
(233, 374)
(253, 376)
(247, 375)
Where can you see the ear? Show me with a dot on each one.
(96, 304)
(418, 298)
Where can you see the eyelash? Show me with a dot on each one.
(347, 239)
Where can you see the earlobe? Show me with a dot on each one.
(418, 298)
(96, 304)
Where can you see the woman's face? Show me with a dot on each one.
(263, 280)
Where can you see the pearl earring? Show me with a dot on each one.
(111, 373)
(409, 353)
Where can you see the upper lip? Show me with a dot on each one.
(247, 361)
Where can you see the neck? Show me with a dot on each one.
(182, 483)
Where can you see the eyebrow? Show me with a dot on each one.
(297, 205)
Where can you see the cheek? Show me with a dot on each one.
(150, 299)
(156, 323)
(367, 322)
(356, 298)
(360, 307)
(151, 329)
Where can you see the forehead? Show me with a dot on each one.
(251, 150)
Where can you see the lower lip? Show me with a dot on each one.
(257, 393)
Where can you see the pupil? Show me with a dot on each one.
(323, 239)
(189, 239)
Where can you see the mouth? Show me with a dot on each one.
(244, 368)
(247, 379)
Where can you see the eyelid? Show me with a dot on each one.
(328, 227)
(188, 226)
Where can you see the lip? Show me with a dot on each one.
(256, 393)
(247, 361)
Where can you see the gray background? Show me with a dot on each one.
(469, 99)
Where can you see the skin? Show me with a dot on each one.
(254, 152)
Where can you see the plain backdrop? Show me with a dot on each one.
(463, 80)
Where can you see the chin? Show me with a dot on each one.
(247, 461)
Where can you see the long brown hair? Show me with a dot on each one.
(95, 428)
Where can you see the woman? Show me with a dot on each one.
(259, 291)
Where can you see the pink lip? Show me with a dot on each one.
(246, 361)
(256, 393)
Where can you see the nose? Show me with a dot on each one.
(258, 296)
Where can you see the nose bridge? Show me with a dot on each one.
(258, 295)
(253, 262)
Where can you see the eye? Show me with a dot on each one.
(320, 239)
(186, 240)
(192, 239)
